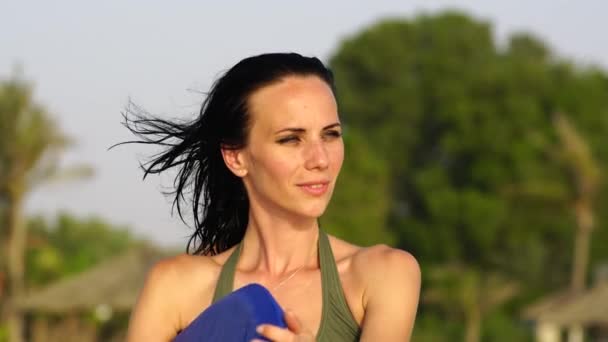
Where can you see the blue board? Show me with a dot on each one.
(235, 317)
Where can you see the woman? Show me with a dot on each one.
(261, 161)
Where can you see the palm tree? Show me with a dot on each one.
(578, 194)
(468, 293)
(584, 173)
(30, 143)
(584, 182)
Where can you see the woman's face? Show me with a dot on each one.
(294, 151)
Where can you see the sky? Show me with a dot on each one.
(86, 59)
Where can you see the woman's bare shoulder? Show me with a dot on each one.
(183, 269)
(385, 258)
(175, 288)
(372, 257)
(185, 277)
(390, 278)
(375, 262)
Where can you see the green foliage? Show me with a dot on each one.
(3, 333)
(358, 213)
(501, 328)
(434, 327)
(30, 139)
(70, 245)
(29, 145)
(462, 135)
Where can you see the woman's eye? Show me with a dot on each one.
(333, 134)
(288, 139)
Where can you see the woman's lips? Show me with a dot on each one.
(315, 189)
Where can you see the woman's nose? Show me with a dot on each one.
(316, 156)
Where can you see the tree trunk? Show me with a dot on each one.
(580, 263)
(3, 255)
(576, 333)
(15, 265)
(40, 331)
(473, 324)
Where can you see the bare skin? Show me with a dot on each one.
(294, 140)
(178, 289)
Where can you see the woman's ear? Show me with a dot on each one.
(235, 161)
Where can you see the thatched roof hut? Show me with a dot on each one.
(114, 283)
(564, 310)
(587, 308)
(108, 288)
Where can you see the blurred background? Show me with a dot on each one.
(476, 136)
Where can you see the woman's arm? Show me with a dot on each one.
(392, 279)
(153, 319)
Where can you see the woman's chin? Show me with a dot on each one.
(314, 212)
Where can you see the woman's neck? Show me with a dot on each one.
(278, 245)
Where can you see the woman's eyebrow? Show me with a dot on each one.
(337, 124)
(291, 129)
(302, 130)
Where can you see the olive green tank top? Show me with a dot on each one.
(337, 322)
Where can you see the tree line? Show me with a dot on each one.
(483, 160)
